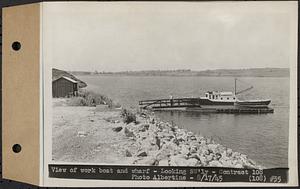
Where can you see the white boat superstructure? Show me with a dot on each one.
(219, 96)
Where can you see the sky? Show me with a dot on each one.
(127, 36)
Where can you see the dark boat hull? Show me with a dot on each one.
(214, 103)
(253, 103)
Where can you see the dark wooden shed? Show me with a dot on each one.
(64, 87)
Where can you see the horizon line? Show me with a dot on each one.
(185, 69)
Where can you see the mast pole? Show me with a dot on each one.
(234, 86)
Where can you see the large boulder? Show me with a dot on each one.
(147, 145)
(166, 151)
(215, 163)
(213, 148)
(193, 149)
(163, 162)
(142, 154)
(128, 153)
(203, 160)
(209, 157)
(144, 127)
(193, 162)
(128, 133)
(146, 161)
(196, 156)
(117, 129)
(178, 160)
(229, 152)
(184, 149)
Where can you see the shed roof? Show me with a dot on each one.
(67, 78)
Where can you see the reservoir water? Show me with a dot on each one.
(263, 137)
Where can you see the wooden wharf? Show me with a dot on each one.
(170, 103)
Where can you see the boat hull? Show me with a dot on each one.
(207, 102)
(253, 103)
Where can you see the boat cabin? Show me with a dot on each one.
(220, 96)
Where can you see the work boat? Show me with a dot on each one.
(226, 99)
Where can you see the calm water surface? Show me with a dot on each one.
(264, 138)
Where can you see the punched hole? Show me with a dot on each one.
(16, 45)
(17, 148)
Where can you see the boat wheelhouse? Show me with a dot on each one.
(220, 96)
(217, 98)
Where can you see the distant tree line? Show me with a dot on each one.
(248, 72)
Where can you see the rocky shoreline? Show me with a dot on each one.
(156, 142)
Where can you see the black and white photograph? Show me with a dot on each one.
(171, 84)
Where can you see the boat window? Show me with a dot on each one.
(213, 96)
(227, 98)
(221, 98)
(233, 98)
(206, 95)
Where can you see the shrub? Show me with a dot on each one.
(90, 98)
(128, 116)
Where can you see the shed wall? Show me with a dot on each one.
(63, 88)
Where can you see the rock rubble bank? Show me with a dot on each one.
(164, 144)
